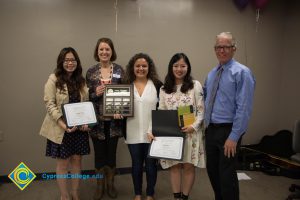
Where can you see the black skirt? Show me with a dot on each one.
(76, 143)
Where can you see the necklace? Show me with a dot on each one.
(108, 79)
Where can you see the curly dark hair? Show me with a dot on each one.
(110, 44)
(76, 82)
(169, 85)
(152, 75)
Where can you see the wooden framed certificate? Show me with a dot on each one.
(118, 99)
(77, 114)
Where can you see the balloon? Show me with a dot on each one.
(241, 4)
(260, 4)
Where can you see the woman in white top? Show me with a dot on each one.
(180, 89)
(141, 72)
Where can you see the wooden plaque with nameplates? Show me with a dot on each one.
(118, 99)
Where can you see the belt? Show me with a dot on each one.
(220, 125)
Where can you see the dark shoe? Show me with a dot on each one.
(177, 196)
(100, 184)
(110, 175)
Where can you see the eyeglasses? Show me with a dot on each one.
(224, 48)
(66, 61)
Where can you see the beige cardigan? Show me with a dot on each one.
(54, 98)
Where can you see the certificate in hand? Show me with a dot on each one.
(77, 114)
(167, 148)
(169, 143)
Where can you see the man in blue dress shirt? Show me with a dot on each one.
(229, 91)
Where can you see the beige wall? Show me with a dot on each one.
(289, 109)
(33, 32)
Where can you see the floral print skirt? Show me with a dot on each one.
(193, 152)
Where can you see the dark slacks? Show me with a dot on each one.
(105, 150)
(138, 154)
(221, 169)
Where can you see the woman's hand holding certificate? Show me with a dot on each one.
(77, 114)
(169, 138)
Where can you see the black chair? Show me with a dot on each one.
(296, 146)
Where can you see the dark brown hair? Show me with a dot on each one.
(110, 44)
(152, 75)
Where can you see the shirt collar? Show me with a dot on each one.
(226, 65)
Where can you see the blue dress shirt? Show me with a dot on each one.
(234, 98)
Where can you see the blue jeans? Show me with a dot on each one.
(139, 154)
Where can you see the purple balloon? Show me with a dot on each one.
(241, 4)
(260, 4)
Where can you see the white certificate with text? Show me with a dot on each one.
(167, 148)
(77, 114)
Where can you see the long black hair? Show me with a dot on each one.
(76, 81)
(169, 85)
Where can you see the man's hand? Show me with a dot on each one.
(230, 148)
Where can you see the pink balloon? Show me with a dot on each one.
(241, 4)
(260, 4)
